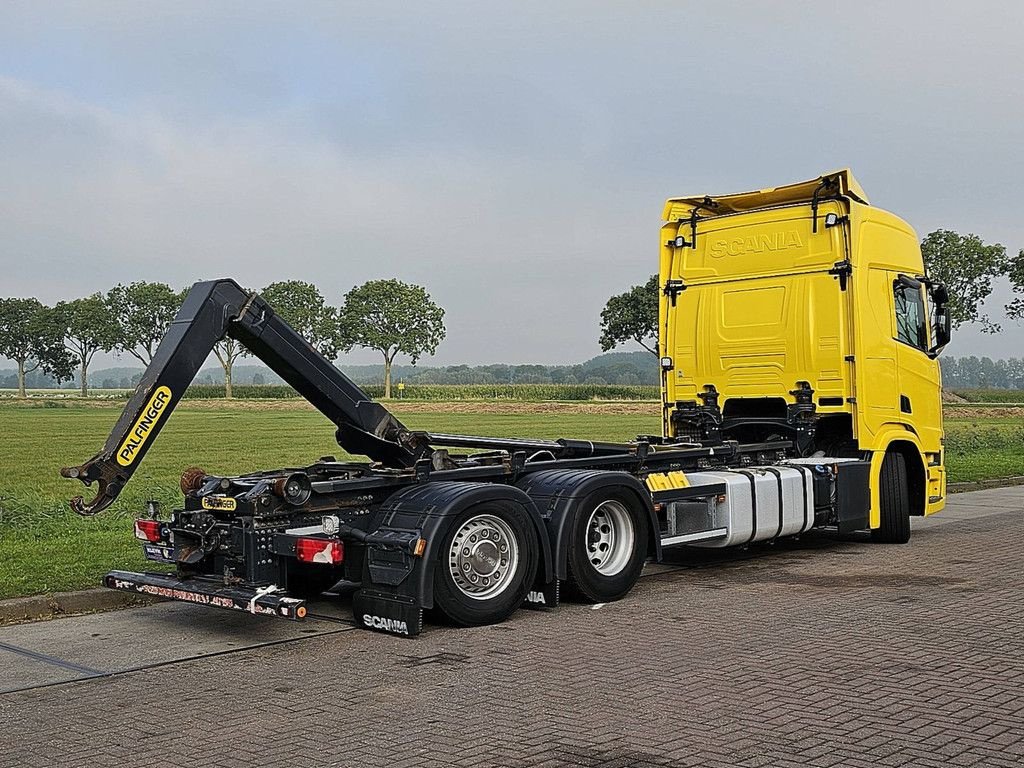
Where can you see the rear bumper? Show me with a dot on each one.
(210, 592)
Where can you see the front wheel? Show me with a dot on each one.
(608, 546)
(487, 564)
(894, 501)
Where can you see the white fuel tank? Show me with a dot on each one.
(760, 503)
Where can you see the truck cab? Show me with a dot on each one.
(804, 312)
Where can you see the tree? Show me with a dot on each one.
(87, 327)
(632, 316)
(1015, 309)
(303, 307)
(31, 338)
(966, 266)
(394, 318)
(228, 350)
(142, 312)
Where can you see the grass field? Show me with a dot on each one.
(990, 395)
(45, 547)
(984, 443)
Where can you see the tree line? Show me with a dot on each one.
(965, 264)
(396, 318)
(957, 373)
(389, 316)
(982, 373)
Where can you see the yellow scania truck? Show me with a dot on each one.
(799, 332)
(805, 312)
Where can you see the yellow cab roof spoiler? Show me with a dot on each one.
(828, 185)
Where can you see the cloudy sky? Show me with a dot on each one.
(512, 158)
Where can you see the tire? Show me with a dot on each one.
(309, 581)
(486, 564)
(894, 501)
(607, 546)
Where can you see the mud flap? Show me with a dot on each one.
(391, 613)
(543, 596)
(853, 496)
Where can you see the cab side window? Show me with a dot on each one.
(911, 317)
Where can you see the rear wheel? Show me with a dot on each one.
(894, 501)
(608, 546)
(487, 563)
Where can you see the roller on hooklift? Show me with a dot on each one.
(800, 390)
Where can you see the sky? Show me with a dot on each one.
(512, 158)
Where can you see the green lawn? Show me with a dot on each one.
(45, 547)
(982, 448)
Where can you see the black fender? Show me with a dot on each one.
(429, 510)
(556, 492)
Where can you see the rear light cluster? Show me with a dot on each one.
(149, 530)
(309, 550)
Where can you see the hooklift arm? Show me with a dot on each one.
(211, 311)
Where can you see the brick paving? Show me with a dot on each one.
(812, 653)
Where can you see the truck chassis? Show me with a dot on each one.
(470, 527)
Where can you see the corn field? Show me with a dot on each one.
(450, 392)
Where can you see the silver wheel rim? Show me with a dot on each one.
(610, 537)
(483, 557)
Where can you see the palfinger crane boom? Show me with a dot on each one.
(212, 311)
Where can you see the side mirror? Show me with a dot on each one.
(941, 319)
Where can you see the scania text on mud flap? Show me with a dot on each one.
(800, 390)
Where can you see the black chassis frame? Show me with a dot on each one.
(385, 514)
(230, 541)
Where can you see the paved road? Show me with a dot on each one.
(808, 653)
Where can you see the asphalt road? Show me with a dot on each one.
(815, 652)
